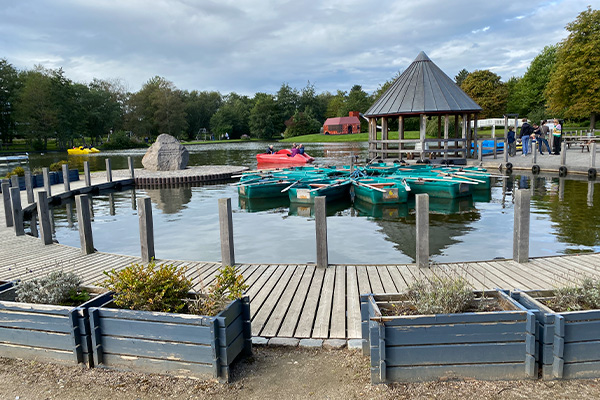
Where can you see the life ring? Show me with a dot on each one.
(592, 173)
(562, 171)
(535, 169)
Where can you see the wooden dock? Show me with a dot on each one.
(296, 300)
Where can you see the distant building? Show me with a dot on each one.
(342, 125)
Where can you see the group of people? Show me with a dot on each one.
(539, 133)
(296, 149)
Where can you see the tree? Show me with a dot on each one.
(199, 108)
(103, 104)
(514, 101)
(9, 86)
(574, 87)
(264, 117)
(287, 101)
(233, 116)
(302, 123)
(335, 106)
(461, 76)
(486, 89)
(384, 87)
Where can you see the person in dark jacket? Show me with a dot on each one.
(512, 142)
(270, 150)
(526, 131)
(301, 149)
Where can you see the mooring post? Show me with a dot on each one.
(86, 173)
(593, 155)
(505, 151)
(534, 153)
(495, 142)
(47, 186)
(108, 170)
(44, 218)
(351, 164)
(563, 154)
(422, 213)
(17, 211)
(590, 194)
(321, 231)
(85, 224)
(131, 169)
(65, 172)
(226, 229)
(29, 187)
(521, 226)
(146, 228)
(14, 181)
(7, 206)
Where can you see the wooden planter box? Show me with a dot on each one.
(486, 345)
(46, 332)
(569, 341)
(177, 344)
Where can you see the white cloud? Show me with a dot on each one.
(232, 45)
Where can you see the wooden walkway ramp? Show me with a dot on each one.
(298, 300)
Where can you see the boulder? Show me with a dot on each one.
(166, 154)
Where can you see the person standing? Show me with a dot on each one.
(526, 131)
(556, 137)
(543, 134)
(512, 142)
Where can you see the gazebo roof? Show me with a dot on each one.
(423, 89)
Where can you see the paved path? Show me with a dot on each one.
(297, 300)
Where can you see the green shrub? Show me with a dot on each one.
(585, 296)
(229, 285)
(149, 288)
(57, 166)
(60, 288)
(121, 140)
(19, 171)
(441, 295)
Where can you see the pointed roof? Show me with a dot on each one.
(423, 88)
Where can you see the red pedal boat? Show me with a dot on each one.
(282, 157)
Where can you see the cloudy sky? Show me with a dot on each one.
(255, 46)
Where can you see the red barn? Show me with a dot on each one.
(342, 125)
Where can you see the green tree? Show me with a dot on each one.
(574, 87)
(35, 109)
(303, 123)
(382, 88)
(199, 108)
(233, 116)
(514, 100)
(287, 101)
(265, 120)
(169, 110)
(357, 100)
(461, 76)
(9, 86)
(488, 91)
(336, 105)
(103, 108)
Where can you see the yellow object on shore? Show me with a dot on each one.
(82, 150)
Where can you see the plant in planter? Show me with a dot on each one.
(154, 323)
(568, 320)
(46, 319)
(441, 328)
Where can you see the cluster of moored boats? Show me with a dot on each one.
(380, 183)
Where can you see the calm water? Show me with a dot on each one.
(564, 219)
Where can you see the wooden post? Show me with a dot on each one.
(351, 164)
(384, 137)
(563, 154)
(33, 225)
(321, 231)
(534, 151)
(505, 150)
(464, 135)
(44, 218)
(86, 173)
(7, 205)
(85, 224)
(108, 170)
(475, 138)
(446, 135)
(17, 211)
(65, 172)
(14, 181)
(422, 133)
(521, 226)
(226, 229)
(29, 187)
(400, 136)
(146, 229)
(131, 169)
(111, 204)
(593, 155)
(590, 194)
(47, 186)
(422, 214)
(493, 131)
(480, 151)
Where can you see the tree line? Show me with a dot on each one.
(42, 104)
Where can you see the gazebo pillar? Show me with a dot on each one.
(446, 133)
(464, 134)
(422, 132)
(372, 137)
(384, 137)
(400, 136)
(475, 138)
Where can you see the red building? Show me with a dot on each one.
(342, 125)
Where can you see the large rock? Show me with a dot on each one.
(166, 154)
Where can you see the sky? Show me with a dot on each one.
(255, 46)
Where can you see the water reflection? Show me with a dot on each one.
(471, 228)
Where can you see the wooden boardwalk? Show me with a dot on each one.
(297, 300)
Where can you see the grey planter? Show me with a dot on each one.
(487, 345)
(178, 344)
(569, 342)
(46, 332)
(5, 285)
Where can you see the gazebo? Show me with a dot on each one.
(425, 91)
